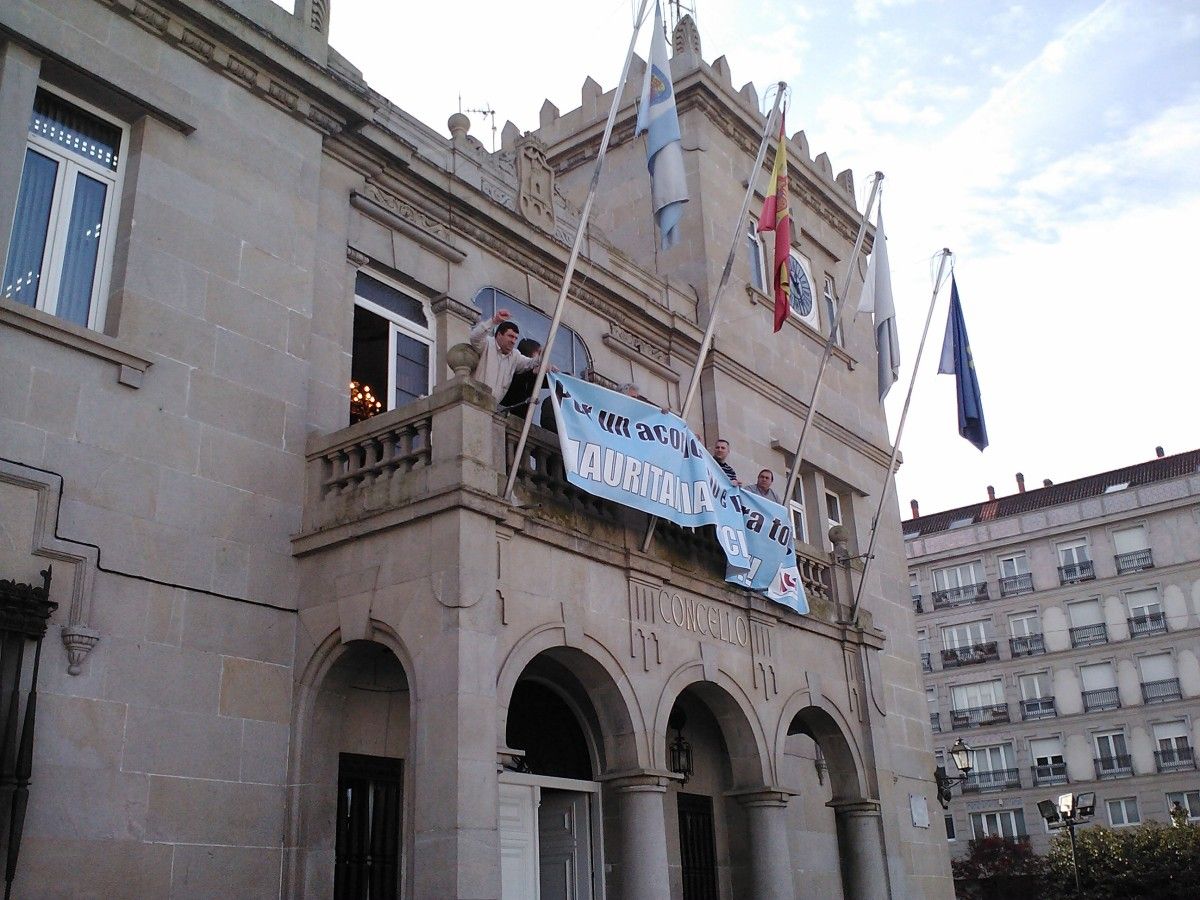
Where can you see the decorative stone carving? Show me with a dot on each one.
(79, 641)
(462, 359)
(686, 37)
(536, 178)
(643, 633)
(150, 16)
(356, 257)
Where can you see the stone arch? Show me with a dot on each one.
(820, 719)
(589, 678)
(745, 738)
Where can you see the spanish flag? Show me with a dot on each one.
(776, 217)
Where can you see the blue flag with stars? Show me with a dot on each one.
(957, 361)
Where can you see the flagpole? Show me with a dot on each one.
(887, 475)
(515, 466)
(710, 329)
(836, 329)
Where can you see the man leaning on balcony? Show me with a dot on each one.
(499, 359)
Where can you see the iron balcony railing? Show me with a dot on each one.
(1176, 760)
(995, 780)
(1104, 698)
(1135, 561)
(926, 663)
(978, 716)
(1120, 766)
(1038, 708)
(918, 606)
(1026, 645)
(1079, 571)
(1089, 635)
(956, 596)
(935, 722)
(1051, 773)
(1013, 585)
(1144, 626)
(968, 656)
(1162, 691)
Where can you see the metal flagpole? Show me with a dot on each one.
(829, 343)
(709, 331)
(887, 475)
(515, 466)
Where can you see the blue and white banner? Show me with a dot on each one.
(627, 451)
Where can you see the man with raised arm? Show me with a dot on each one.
(499, 359)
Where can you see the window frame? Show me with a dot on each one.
(399, 324)
(758, 257)
(1182, 797)
(942, 583)
(832, 304)
(69, 167)
(1012, 557)
(979, 823)
(1073, 545)
(1124, 806)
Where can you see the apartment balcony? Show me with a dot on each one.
(1114, 766)
(978, 716)
(1134, 562)
(926, 663)
(1027, 645)
(935, 722)
(1089, 635)
(996, 780)
(957, 596)
(1147, 625)
(1073, 573)
(1038, 708)
(918, 605)
(1015, 585)
(1103, 699)
(1180, 759)
(1163, 691)
(1052, 773)
(970, 656)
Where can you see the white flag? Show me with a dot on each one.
(877, 299)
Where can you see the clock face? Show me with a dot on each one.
(801, 289)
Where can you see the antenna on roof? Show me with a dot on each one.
(487, 111)
(676, 10)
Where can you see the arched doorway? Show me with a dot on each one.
(352, 790)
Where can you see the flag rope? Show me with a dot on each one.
(710, 329)
(887, 475)
(572, 260)
(834, 330)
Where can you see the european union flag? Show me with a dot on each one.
(957, 361)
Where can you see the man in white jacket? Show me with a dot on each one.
(499, 359)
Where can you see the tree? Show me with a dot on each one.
(1151, 860)
(998, 867)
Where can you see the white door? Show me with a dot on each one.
(564, 842)
(518, 818)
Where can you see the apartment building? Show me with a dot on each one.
(1059, 633)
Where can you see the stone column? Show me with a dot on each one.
(643, 844)
(860, 845)
(770, 856)
(19, 71)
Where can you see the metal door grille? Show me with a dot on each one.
(697, 848)
(368, 827)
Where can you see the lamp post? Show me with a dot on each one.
(963, 757)
(1067, 812)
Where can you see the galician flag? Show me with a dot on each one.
(877, 298)
(777, 217)
(958, 361)
(664, 152)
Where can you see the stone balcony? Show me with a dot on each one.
(451, 450)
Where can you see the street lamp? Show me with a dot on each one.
(963, 757)
(1067, 812)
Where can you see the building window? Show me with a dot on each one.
(977, 695)
(831, 309)
(833, 509)
(393, 344)
(570, 353)
(1160, 681)
(1132, 550)
(797, 505)
(1074, 561)
(62, 238)
(1189, 800)
(756, 257)
(968, 634)
(367, 843)
(1049, 765)
(1145, 613)
(1015, 577)
(1112, 755)
(804, 306)
(1035, 686)
(1005, 823)
(1087, 623)
(950, 833)
(963, 583)
(1172, 751)
(1123, 811)
(1099, 683)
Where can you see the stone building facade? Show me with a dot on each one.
(300, 646)
(1059, 632)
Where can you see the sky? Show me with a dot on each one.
(1051, 145)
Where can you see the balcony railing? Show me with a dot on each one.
(1114, 766)
(969, 656)
(995, 780)
(1161, 691)
(1079, 571)
(926, 663)
(1038, 708)
(1026, 645)
(978, 716)
(1144, 626)
(1104, 698)
(935, 722)
(1177, 760)
(1134, 561)
(1089, 635)
(956, 596)
(1013, 585)
(918, 606)
(1051, 773)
